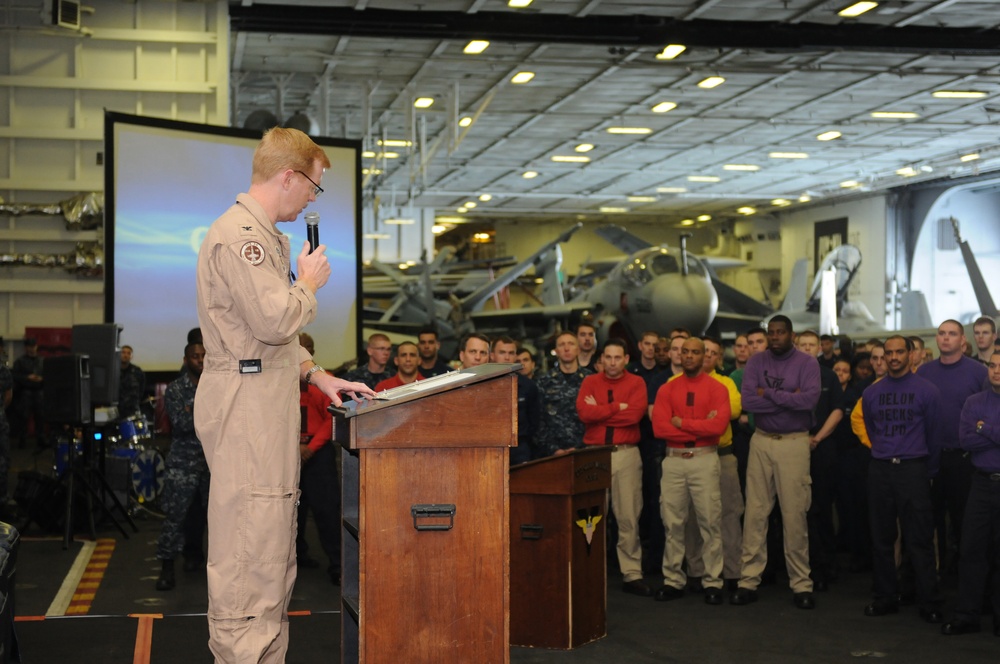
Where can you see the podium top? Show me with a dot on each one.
(425, 388)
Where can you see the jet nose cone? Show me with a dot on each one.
(689, 302)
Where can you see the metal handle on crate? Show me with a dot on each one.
(444, 511)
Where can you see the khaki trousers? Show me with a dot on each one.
(778, 466)
(691, 485)
(732, 526)
(626, 504)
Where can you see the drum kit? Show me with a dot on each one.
(133, 467)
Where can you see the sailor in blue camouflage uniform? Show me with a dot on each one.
(131, 385)
(187, 476)
(377, 368)
(561, 428)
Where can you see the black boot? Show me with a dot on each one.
(166, 580)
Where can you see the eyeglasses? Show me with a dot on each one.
(317, 190)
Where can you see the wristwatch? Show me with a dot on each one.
(312, 370)
(979, 427)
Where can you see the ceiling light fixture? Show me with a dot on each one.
(584, 147)
(570, 158)
(747, 210)
(671, 51)
(741, 167)
(664, 107)
(687, 222)
(829, 135)
(527, 175)
(437, 229)
(423, 102)
(641, 199)
(671, 190)
(522, 77)
(972, 156)
(907, 171)
(450, 220)
(465, 122)
(805, 198)
(485, 197)
(613, 210)
(469, 204)
(781, 202)
(850, 184)
(704, 217)
(387, 155)
(367, 154)
(371, 171)
(377, 236)
(787, 155)
(400, 221)
(629, 130)
(394, 143)
(958, 94)
(894, 115)
(703, 178)
(711, 82)
(518, 4)
(857, 9)
(476, 46)
(462, 210)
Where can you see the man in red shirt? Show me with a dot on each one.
(691, 412)
(407, 364)
(610, 405)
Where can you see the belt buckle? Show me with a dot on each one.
(687, 455)
(776, 436)
(896, 461)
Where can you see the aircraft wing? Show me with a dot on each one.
(622, 239)
(520, 322)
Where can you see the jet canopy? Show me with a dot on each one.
(647, 264)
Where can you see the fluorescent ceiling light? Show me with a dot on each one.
(642, 199)
(958, 94)
(780, 202)
(704, 217)
(805, 198)
(664, 107)
(469, 204)
(368, 154)
(613, 210)
(387, 155)
(703, 178)
(849, 184)
(747, 210)
(787, 155)
(437, 229)
(857, 9)
(522, 77)
(450, 220)
(400, 222)
(828, 135)
(570, 158)
(670, 51)
(687, 222)
(371, 171)
(377, 236)
(527, 175)
(741, 167)
(462, 210)
(671, 190)
(518, 4)
(476, 46)
(711, 82)
(972, 156)
(629, 130)
(895, 115)
(907, 171)
(423, 102)
(584, 147)
(394, 143)
(465, 122)
(485, 197)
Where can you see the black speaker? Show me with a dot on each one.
(100, 342)
(67, 389)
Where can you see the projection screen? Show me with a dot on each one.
(165, 183)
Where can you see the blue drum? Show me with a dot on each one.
(148, 470)
(62, 455)
(133, 429)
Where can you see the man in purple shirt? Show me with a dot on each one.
(901, 413)
(781, 387)
(979, 434)
(958, 377)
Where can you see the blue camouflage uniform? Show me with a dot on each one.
(561, 425)
(187, 472)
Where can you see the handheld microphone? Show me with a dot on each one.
(312, 230)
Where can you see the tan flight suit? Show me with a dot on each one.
(248, 424)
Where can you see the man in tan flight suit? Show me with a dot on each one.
(247, 405)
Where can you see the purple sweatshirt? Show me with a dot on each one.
(983, 444)
(791, 386)
(957, 382)
(902, 417)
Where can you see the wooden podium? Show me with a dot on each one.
(425, 558)
(558, 573)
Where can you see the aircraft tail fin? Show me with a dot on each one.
(914, 312)
(795, 298)
(622, 239)
(549, 269)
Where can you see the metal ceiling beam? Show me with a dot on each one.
(609, 30)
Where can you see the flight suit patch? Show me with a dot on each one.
(253, 253)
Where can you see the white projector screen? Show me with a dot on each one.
(165, 183)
